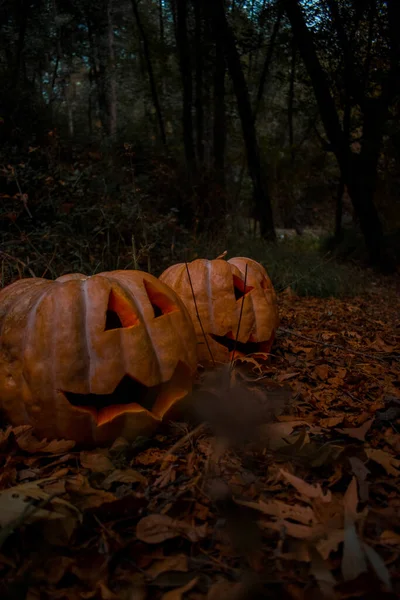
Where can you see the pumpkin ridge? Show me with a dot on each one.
(14, 302)
(84, 297)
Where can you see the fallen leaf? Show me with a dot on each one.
(386, 460)
(85, 495)
(331, 421)
(311, 491)
(286, 376)
(124, 476)
(96, 461)
(322, 372)
(390, 538)
(358, 432)
(296, 512)
(155, 529)
(178, 562)
(178, 593)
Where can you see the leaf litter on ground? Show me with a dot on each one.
(281, 482)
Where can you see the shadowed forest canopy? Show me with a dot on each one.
(141, 126)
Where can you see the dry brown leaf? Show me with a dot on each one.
(223, 589)
(178, 593)
(29, 443)
(275, 434)
(286, 376)
(311, 491)
(85, 495)
(330, 542)
(358, 432)
(390, 538)
(322, 371)
(276, 508)
(331, 421)
(386, 460)
(155, 529)
(96, 461)
(124, 476)
(178, 562)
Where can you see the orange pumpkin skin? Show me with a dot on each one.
(218, 287)
(93, 358)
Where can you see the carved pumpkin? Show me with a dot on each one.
(93, 358)
(219, 288)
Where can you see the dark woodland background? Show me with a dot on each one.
(137, 133)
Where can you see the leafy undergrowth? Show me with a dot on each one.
(287, 487)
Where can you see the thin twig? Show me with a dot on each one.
(186, 438)
(197, 314)
(17, 260)
(240, 319)
(337, 346)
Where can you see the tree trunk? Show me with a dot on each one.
(261, 197)
(186, 73)
(23, 20)
(358, 171)
(219, 124)
(199, 45)
(150, 71)
(267, 63)
(111, 78)
(291, 101)
(105, 58)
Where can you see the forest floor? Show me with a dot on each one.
(290, 490)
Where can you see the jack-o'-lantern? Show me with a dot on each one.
(93, 358)
(236, 304)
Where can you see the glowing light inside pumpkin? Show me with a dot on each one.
(239, 289)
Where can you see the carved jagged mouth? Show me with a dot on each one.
(129, 394)
(241, 347)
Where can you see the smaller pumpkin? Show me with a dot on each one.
(93, 358)
(225, 297)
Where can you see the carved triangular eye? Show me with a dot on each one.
(120, 313)
(239, 289)
(112, 320)
(160, 302)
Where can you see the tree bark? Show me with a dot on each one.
(150, 71)
(186, 73)
(219, 123)
(358, 171)
(291, 101)
(105, 77)
(262, 203)
(267, 63)
(111, 78)
(199, 45)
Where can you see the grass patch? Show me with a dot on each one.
(299, 263)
